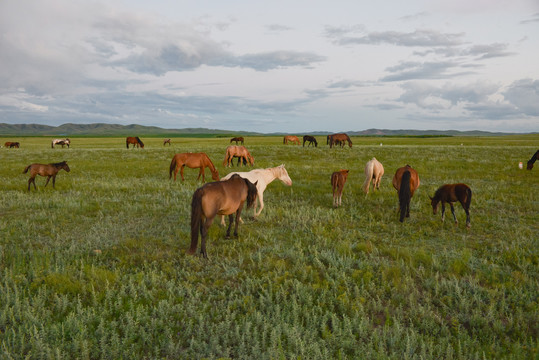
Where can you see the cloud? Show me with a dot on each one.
(412, 70)
(524, 96)
(534, 19)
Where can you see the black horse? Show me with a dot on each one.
(310, 139)
(532, 160)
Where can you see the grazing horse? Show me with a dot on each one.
(218, 198)
(291, 138)
(10, 144)
(135, 140)
(262, 178)
(451, 193)
(49, 170)
(62, 142)
(240, 152)
(406, 181)
(192, 160)
(338, 179)
(374, 170)
(535, 156)
(310, 139)
(340, 138)
(166, 141)
(237, 139)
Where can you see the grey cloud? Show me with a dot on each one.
(423, 70)
(534, 18)
(276, 59)
(524, 96)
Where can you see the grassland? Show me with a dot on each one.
(96, 269)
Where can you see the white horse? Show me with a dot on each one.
(263, 177)
(373, 171)
(62, 142)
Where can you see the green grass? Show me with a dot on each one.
(96, 268)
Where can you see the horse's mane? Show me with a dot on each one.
(139, 141)
(60, 164)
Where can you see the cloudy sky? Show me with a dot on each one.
(292, 66)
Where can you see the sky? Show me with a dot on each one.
(294, 66)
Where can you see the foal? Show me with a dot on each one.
(338, 179)
(451, 193)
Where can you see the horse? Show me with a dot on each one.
(62, 142)
(406, 181)
(451, 193)
(338, 179)
(218, 198)
(135, 141)
(374, 170)
(237, 139)
(310, 139)
(239, 151)
(192, 160)
(49, 170)
(340, 137)
(535, 156)
(10, 144)
(166, 141)
(290, 138)
(262, 177)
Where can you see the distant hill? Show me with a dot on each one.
(101, 129)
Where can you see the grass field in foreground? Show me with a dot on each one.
(96, 268)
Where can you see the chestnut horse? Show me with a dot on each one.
(240, 152)
(291, 138)
(406, 181)
(62, 142)
(340, 138)
(374, 170)
(218, 198)
(10, 144)
(338, 179)
(310, 139)
(49, 170)
(166, 141)
(135, 140)
(237, 139)
(192, 160)
(451, 193)
(534, 158)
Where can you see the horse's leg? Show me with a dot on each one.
(453, 212)
(261, 200)
(48, 178)
(467, 210)
(443, 211)
(53, 181)
(230, 220)
(201, 172)
(223, 220)
(181, 171)
(204, 236)
(30, 181)
(238, 216)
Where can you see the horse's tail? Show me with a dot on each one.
(284, 140)
(369, 172)
(26, 169)
(52, 144)
(225, 161)
(172, 167)
(196, 219)
(404, 195)
(127, 142)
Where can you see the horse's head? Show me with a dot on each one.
(65, 166)
(283, 175)
(252, 192)
(529, 166)
(434, 204)
(215, 175)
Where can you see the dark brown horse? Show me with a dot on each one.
(237, 140)
(10, 144)
(166, 141)
(451, 193)
(339, 138)
(192, 160)
(338, 179)
(310, 139)
(49, 170)
(135, 140)
(406, 181)
(218, 198)
(240, 152)
(290, 138)
(534, 158)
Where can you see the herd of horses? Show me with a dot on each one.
(228, 195)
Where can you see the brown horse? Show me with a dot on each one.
(291, 138)
(192, 160)
(166, 141)
(451, 193)
(406, 181)
(338, 179)
(10, 144)
(218, 198)
(135, 140)
(310, 139)
(62, 142)
(237, 139)
(534, 158)
(240, 152)
(374, 170)
(49, 170)
(340, 138)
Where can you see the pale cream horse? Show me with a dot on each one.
(263, 177)
(374, 170)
